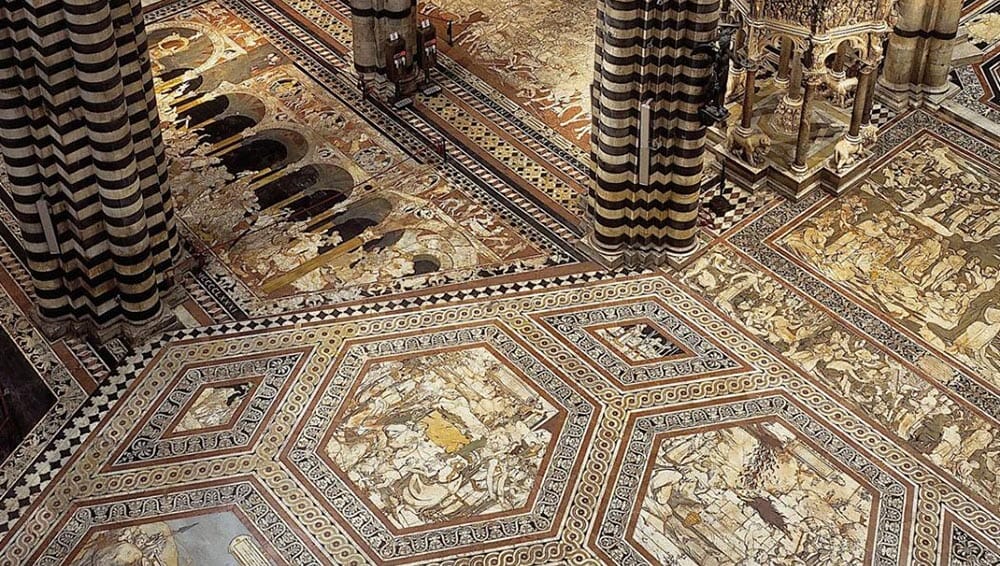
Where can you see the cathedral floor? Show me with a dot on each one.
(392, 350)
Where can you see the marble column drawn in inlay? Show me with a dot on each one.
(784, 62)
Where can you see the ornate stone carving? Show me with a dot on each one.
(840, 91)
(822, 16)
(752, 148)
(847, 152)
(786, 115)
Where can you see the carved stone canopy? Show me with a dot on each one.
(817, 18)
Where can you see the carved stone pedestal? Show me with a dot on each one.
(838, 182)
(786, 182)
(131, 334)
(637, 257)
(787, 115)
(739, 171)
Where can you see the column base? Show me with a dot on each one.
(610, 259)
(781, 178)
(902, 97)
(675, 259)
(129, 332)
(839, 182)
(625, 257)
(680, 260)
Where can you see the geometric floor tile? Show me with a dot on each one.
(726, 206)
(963, 546)
(750, 482)
(207, 525)
(641, 344)
(882, 114)
(455, 438)
(409, 359)
(210, 410)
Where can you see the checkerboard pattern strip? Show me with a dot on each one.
(744, 203)
(882, 114)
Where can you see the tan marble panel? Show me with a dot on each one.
(539, 53)
(920, 242)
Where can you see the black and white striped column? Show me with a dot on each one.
(647, 173)
(372, 21)
(79, 132)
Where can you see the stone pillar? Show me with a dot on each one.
(644, 54)
(805, 126)
(837, 69)
(401, 16)
(737, 70)
(746, 109)
(940, 46)
(372, 21)
(795, 81)
(614, 114)
(866, 113)
(784, 63)
(904, 55)
(365, 33)
(920, 49)
(80, 136)
(789, 108)
(862, 100)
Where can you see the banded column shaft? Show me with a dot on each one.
(645, 53)
(372, 23)
(79, 132)
(837, 70)
(920, 49)
(941, 45)
(365, 31)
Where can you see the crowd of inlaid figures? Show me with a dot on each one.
(819, 386)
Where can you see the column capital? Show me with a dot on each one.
(813, 77)
(867, 67)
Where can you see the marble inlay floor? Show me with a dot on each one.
(387, 357)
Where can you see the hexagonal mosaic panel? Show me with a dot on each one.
(443, 436)
(460, 435)
(756, 480)
(212, 409)
(641, 344)
(750, 486)
(205, 525)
